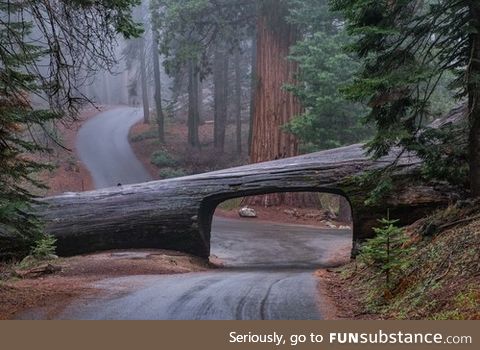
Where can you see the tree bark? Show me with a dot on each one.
(274, 106)
(158, 89)
(220, 77)
(474, 101)
(193, 105)
(238, 100)
(143, 74)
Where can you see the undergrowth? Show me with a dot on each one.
(440, 277)
(163, 159)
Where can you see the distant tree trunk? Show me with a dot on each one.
(143, 74)
(158, 89)
(220, 78)
(201, 116)
(177, 87)
(193, 105)
(238, 100)
(274, 106)
(474, 101)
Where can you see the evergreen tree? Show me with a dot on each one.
(71, 38)
(407, 48)
(329, 119)
(386, 252)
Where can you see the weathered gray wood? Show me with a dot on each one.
(176, 214)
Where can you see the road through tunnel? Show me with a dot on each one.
(305, 228)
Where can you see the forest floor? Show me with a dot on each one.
(284, 214)
(36, 285)
(175, 158)
(440, 279)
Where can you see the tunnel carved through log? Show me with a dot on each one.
(176, 214)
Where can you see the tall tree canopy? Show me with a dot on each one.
(407, 47)
(329, 120)
(48, 48)
(191, 26)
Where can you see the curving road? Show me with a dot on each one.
(268, 274)
(222, 295)
(102, 145)
(269, 267)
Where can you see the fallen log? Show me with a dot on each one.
(177, 214)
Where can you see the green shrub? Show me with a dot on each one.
(44, 247)
(163, 159)
(386, 252)
(169, 173)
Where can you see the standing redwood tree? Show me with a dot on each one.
(274, 106)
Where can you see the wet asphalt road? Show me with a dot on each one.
(268, 274)
(269, 267)
(252, 244)
(222, 295)
(102, 145)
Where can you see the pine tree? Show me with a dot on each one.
(57, 29)
(329, 120)
(386, 252)
(407, 48)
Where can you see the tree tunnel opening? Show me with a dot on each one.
(300, 228)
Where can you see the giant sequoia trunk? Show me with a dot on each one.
(474, 101)
(274, 106)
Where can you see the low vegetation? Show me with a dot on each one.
(439, 278)
(163, 159)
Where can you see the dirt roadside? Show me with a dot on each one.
(78, 274)
(286, 215)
